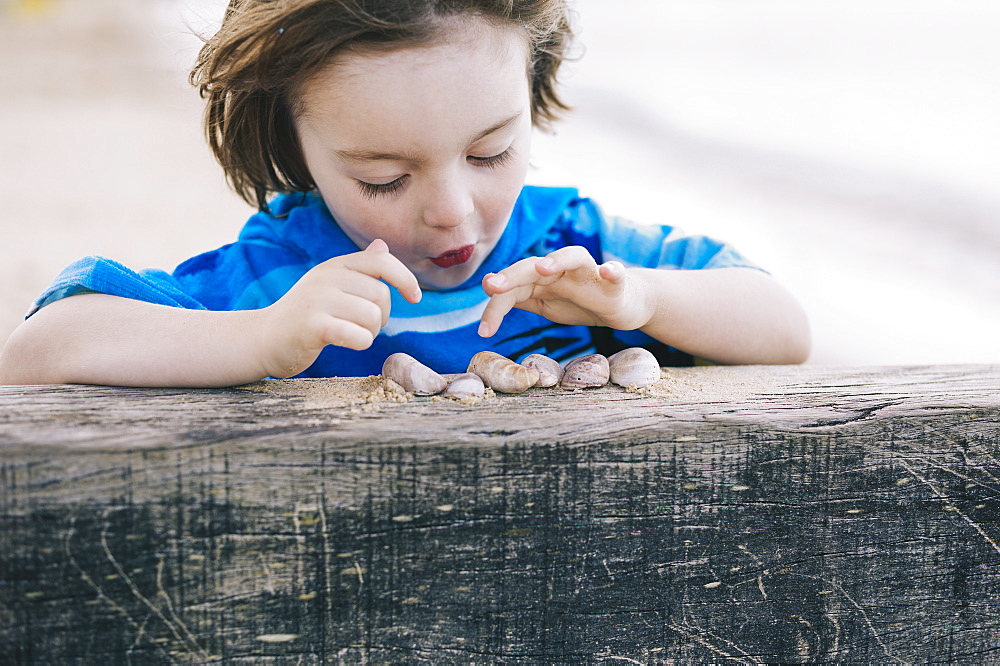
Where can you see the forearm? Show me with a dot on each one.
(99, 339)
(727, 315)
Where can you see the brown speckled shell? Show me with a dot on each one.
(502, 374)
(549, 370)
(634, 366)
(586, 372)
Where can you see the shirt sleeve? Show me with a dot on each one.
(104, 276)
(248, 274)
(649, 246)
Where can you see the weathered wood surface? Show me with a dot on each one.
(745, 514)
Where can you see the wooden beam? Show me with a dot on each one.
(747, 514)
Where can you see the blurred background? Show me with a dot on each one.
(851, 148)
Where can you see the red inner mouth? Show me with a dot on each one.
(455, 257)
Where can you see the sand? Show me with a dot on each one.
(334, 392)
(362, 394)
(365, 393)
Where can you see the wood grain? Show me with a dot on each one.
(746, 514)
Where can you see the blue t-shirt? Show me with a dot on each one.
(277, 248)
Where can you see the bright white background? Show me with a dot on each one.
(851, 148)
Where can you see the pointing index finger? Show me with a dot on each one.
(379, 263)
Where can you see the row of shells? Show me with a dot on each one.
(633, 367)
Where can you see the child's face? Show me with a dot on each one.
(426, 148)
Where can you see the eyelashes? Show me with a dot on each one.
(373, 191)
(494, 161)
(376, 190)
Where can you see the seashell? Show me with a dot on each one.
(413, 375)
(502, 374)
(634, 366)
(585, 372)
(549, 370)
(469, 385)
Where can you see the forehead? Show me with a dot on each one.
(459, 32)
(462, 52)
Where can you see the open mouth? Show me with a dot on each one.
(454, 257)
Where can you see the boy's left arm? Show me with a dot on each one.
(724, 315)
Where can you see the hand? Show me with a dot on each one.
(340, 302)
(568, 287)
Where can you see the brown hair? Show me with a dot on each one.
(251, 70)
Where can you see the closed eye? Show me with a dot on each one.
(375, 190)
(493, 161)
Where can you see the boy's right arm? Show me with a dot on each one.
(101, 339)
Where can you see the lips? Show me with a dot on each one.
(454, 257)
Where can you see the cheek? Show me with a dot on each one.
(370, 222)
(505, 193)
(356, 216)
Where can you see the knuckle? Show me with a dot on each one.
(384, 295)
(373, 317)
(355, 337)
(332, 333)
(363, 342)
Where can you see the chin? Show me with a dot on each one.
(441, 279)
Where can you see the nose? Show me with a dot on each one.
(449, 202)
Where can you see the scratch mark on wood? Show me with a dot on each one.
(92, 584)
(973, 524)
(175, 624)
(693, 634)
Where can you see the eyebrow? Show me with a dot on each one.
(362, 155)
(502, 125)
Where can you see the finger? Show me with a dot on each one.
(612, 271)
(493, 315)
(382, 265)
(367, 313)
(494, 283)
(343, 333)
(498, 307)
(571, 259)
(367, 289)
(412, 291)
(360, 311)
(516, 275)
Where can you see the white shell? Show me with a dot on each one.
(549, 370)
(586, 372)
(502, 374)
(413, 375)
(468, 385)
(634, 366)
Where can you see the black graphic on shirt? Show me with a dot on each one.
(566, 347)
(547, 340)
